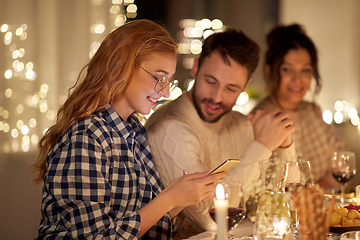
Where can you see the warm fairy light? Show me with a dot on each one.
(198, 29)
(15, 63)
(5, 114)
(43, 107)
(8, 38)
(24, 130)
(19, 124)
(4, 28)
(120, 20)
(132, 8)
(32, 122)
(238, 108)
(31, 75)
(187, 23)
(184, 48)
(50, 115)
(193, 32)
(242, 99)
(42, 94)
(8, 74)
(14, 133)
(15, 54)
(207, 33)
(345, 105)
(25, 147)
(196, 46)
(23, 36)
(327, 116)
(190, 84)
(338, 117)
(98, 28)
(216, 24)
(188, 63)
(24, 27)
(352, 113)
(8, 93)
(29, 66)
(6, 127)
(21, 52)
(115, 9)
(20, 109)
(19, 31)
(205, 23)
(338, 106)
(26, 139)
(20, 66)
(34, 139)
(355, 121)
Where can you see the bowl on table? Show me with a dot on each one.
(341, 230)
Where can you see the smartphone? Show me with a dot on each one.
(225, 166)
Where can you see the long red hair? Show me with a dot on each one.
(104, 77)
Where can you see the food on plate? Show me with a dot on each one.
(347, 216)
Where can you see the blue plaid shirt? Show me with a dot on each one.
(99, 174)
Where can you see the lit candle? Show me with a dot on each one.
(221, 211)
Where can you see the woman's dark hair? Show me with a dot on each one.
(235, 44)
(280, 41)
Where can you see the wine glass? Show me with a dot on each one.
(353, 235)
(343, 167)
(299, 176)
(234, 209)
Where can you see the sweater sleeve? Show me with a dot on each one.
(175, 146)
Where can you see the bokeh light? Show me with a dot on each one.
(338, 117)
(327, 116)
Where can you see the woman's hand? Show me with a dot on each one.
(193, 188)
(272, 128)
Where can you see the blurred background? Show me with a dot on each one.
(45, 43)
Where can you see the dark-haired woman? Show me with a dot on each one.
(291, 63)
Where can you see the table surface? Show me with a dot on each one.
(245, 228)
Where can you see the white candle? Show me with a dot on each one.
(221, 211)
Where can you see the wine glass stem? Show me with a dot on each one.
(342, 187)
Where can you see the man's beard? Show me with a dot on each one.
(211, 118)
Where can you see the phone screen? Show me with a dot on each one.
(225, 166)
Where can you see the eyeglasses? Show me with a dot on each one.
(161, 83)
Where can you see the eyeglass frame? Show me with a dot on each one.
(173, 83)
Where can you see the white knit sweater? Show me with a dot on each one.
(179, 139)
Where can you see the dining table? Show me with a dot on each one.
(245, 228)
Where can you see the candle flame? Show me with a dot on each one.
(220, 192)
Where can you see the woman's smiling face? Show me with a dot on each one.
(140, 95)
(296, 74)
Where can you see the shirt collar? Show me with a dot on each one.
(131, 127)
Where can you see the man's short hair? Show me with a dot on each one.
(235, 44)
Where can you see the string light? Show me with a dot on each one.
(12, 122)
(343, 113)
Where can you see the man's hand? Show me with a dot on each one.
(272, 128)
